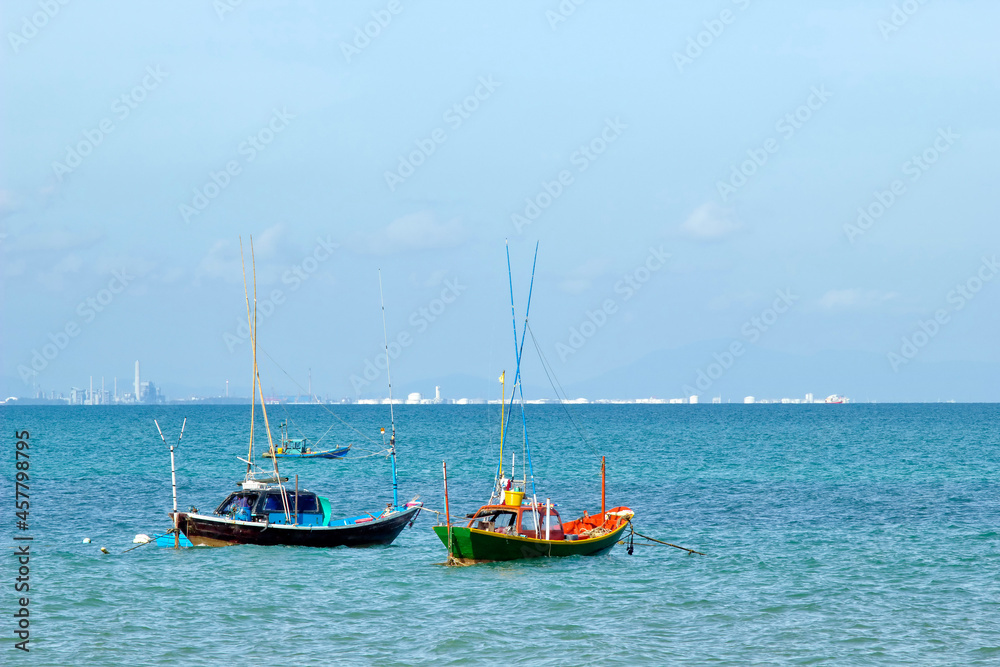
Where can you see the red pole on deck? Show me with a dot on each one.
(603, 517)
(447, 514)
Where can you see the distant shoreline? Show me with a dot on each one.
(468, 402)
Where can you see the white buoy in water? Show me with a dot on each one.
(142, 538)
(86, 540)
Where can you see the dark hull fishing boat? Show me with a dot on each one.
(311, 526)
(210, 531)
(511, 526)
(268, 511)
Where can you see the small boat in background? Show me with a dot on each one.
(298, 448)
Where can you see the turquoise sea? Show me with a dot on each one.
(838, 535)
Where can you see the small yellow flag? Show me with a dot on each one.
(502, 375)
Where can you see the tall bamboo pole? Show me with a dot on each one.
(253, 388)
(503, 399)
(260, 390)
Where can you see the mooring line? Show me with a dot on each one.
(169, 532)
(652, 539)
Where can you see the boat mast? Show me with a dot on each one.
(253, 389)
(503, 399)
(392, 417)
(260, 390)
(518, 349)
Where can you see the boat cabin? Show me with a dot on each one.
(294, 446)
(267, 506)
(535, 522)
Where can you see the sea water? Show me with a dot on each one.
(832, 534)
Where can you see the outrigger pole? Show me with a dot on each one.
(173, 476)
(517, 350)
(392, 418)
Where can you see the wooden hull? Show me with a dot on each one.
(469, 545)
(209, 530)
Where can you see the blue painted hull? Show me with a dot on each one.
(328, 454)
(167, 540)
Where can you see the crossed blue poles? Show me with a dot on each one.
(518, 348)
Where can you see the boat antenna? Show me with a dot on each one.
(517, 350)
(392, 416)
(253, 390)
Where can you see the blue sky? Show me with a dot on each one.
(714, 154)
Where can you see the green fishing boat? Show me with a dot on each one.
(511, 526)
(503, 532)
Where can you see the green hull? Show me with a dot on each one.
(473, 546)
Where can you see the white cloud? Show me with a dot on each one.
(53, 241)
(575, 285)
(265, 244)
(222, 261)
(710, 222)
(854, 298)
(56, 277)
(417, 231)
(743, 299)
(435, 278)
(7, 203)
(55, 258)
(581, 278)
